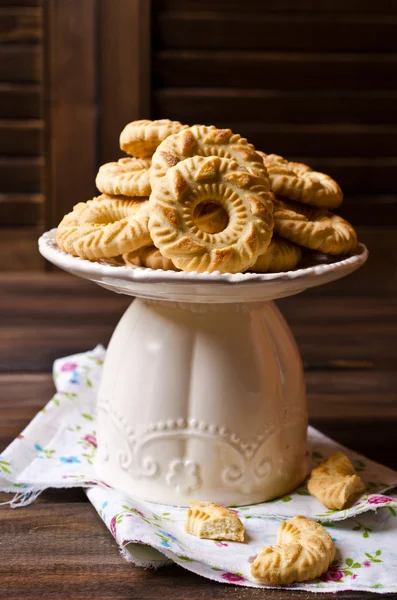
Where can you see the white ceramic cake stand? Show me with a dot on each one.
(203, 393)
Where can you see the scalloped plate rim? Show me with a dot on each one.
(48, 249)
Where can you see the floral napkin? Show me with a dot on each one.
(57, 450)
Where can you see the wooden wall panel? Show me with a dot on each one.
(20, 101)
(70, 104)
(307, 6)
(21, 128)
(21, 137)
(21, 209)
(20, 24)
(264, 30)
(20, 63)
(124, 47)
(275, 70)
(314, 81)
(270, 107)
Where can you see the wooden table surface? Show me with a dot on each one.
(347, 334)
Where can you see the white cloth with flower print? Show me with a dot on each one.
(57, 449)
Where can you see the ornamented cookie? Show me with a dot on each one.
(104, 227)
(335, 482)
(149, 256)
(299, 182)
(141, 138)
(281, 255)
(203, 140)
(197, 180)
(213, 522)
(127, 177)
(304, 551)
(313, 228)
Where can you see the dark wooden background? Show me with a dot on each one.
(315, 81)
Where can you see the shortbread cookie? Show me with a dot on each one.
(244, 197)
(201, 140)
(127, 177)
(141, 138)
(335, 482)
(299, 182)
(304, 551)
(313, 228)
(281, 255)
(149, 256)
(214, 522)
(105, 227)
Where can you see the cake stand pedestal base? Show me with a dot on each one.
(203, 401)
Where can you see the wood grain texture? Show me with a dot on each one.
(124, 40)
(332, 32)
(342, 140)
(323, 6)
(275, 70)
(22, 137)
(20, 24)
(21, 175)
(21, 209)
(20, 63)
(20, 100)
(215, 104)
(70, 105)
(18, 249)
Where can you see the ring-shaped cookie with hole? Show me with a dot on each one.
(223, 181)
(104, 227)
(304, 551)
(313, 228)
(299, 182)
(141, 138)
(203, 140)
(281, 255)
(126, 177)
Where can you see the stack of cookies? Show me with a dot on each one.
(203, 199)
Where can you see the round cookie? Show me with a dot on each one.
(104, 227)
(223, 181)
(299, 182)
(203, 140)
(149, 256)
(303, 552)
(313, 228)
(127, 177)
(281, 255)
(141, 138)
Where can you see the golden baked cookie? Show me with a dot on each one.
(281, 255)
(104, 227)
(141, 138)
(335, 482)
(214, 522)
(203, 140)
(197, 180)
(127, 177)
(299, 182)
(313, 228)
(149, 256)
(304, 551)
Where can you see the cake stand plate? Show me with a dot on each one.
(202, 394)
